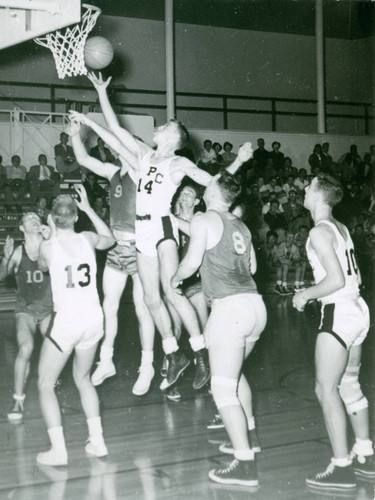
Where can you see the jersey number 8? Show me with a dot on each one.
(238, 243)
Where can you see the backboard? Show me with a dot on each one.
(22, 20)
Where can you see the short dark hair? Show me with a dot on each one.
(331, 188)
(226, 143)
(229, 186)
(271, 233)
(64, 212)
(216, 144)
(276, 142)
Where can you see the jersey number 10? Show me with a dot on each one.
(352, 263)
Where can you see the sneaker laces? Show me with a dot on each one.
(327, 472)
(230, 467)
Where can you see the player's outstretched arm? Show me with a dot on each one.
(104, 238)
(107, 136)
(244, 154)
(194, 256)
(322, 239)
(123, 135)
(106, 170)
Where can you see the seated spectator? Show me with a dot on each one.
(227, 155)
(300, 240)
(207, 156)
(93, 188)
(217, 148)
(289, 169)
(269, 171)
(289, 257)
(41, 208)
(271, 251)
(282, 198)
(315, 159)
(326, 158)
(272, 186)
(294, 212)
(263, 187)
(66, 163)
(43, 177)
(276, 155)
(16, 181)
(275, 219)
(289, 185)
(302, 181)
(102, 153)
(101, 209)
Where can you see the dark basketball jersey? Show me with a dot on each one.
(33, 286)
(225, 269)
(122, 201)
(182, 251)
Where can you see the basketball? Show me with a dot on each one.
(98, 52)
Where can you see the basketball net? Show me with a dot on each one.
(68, 46)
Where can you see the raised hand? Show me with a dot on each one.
(98, 81)
(8, 247)
(82, 202)
(45, 231)
(245, 152)
(73, 127)
(76, 117)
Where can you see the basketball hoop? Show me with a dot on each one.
(68, 47)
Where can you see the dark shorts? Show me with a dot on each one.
(36, 311)
(192, 289)
(123, 258)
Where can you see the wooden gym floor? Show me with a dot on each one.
(162, 450)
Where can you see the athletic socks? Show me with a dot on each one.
(342, 462)
(244, 454)
(57, 455)
(147, 358)
(106, 353)
(197, 343)
(170, 345)
(251, 423)
(96, 445)
(363, 447)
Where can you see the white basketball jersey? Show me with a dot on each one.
(155, 187)
(346, 257)
(73, 279)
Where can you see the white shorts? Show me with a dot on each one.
(348, 320)
(150, 233)
(77, 328)
(235, 320)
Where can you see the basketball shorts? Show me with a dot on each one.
(77, 328)
(192, 288)
(235, 320)
(123, 258)
(149, 233)
(36, 311)
(348, 320)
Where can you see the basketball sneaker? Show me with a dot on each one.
(96, 447)
(142, 385)
(53, 457)
(334, 478)
(286, 291)
(173, 394)
(279, 290)
(16, 413)
(164, 367)
(241, 472)
(202, 370)
(177, 363)
(105, 369)
(216, 423)
(363, 466)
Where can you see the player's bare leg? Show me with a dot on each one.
(168, 260)
(26, 328)
(83, 360)
(147, 335)
(148, 269)
(114, 283)
(51, 364)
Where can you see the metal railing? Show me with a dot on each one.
(273, 107)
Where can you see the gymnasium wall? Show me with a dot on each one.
(218, 60)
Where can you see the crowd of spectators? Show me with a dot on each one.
(272, 198)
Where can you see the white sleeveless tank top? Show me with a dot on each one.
(73, 279)
(346, 257)
(155, 187)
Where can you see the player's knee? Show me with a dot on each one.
(45, 383)
(224, 391)
(351, 392)
(152, 300)
(25, 350)
(110, 305)
(80, 379)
